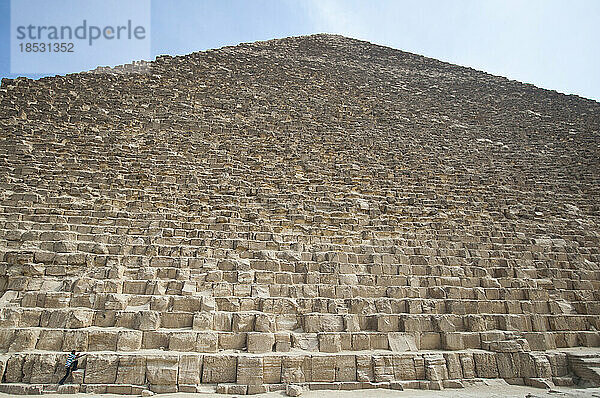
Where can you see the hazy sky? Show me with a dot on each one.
(552, 44)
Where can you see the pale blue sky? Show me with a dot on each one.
(552, 44)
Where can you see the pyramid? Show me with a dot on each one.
(312, 212)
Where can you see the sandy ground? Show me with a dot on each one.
(495, 390)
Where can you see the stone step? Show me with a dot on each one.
(119, 339)
(170, 372)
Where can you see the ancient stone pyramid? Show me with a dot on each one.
(315, 211)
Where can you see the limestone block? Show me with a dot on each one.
(387, 323)
(526, 364)
(102, 340)
(378, 341)
(13, 372)
(131, 370)
(190, 369)
(101, 368)
(504, 346)
(126, 319)
(260, 342)
(448, 323)
(147, 320)
(415, 323)
(323, 368)
(345, 368)
(452, 341)
(223, 321)
(264, 323)
(485, 365)
(292, 370)
(542, 366)
(559, 364)
(305, 341)
(75, 340)
(383, 368)
(105, 319)
(243, 323)
(115, 302)
(129, 340)
(176, 320)
(44, 369)
(364, 368)
(219, 369)
(283, 342)
(153, 340)
(401, 342)
(187, 303)
(6, 337)
(272, 366)
(208, 304)
(435, 367)
(232, 341)
(24, 340)
(477, 323)
(351, 323)
(80, 318)
(30, 318)
(420, 367)
(404, 367)
(163, 388)
(160, 303)
(49, 340)
(250, 370)
(203, 321)
(453, 367)
(468, 365)
(28, 364)
(182, 341)
(508, 365)
(329, 342)
(361, 341)
(310, 323)
(540, 341)
(293, 390)
(207, 342)
(286, 322)
(161, 370)
(330, 323)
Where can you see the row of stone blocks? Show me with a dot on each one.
(172, 372)
(15, 339)
(237, 297)
(248, 321)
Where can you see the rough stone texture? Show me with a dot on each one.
(316, 211)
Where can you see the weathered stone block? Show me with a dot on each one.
(161, 370)
(404, 367)
(272, 366)
(101, 368)
(102, 340)
(182, 341)
(129, 340)
(219, 369)
(260, 342)
(345, 368)
(190, 369)
(329, 342)
(207, 342)
(323, 368)
(250, 370)
(401, 342)
(131, 370)
(292, 370)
